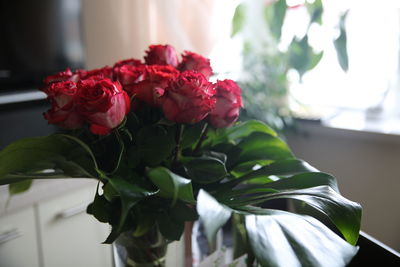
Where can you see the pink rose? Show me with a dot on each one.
(150, 90)
(189, 98)
(161, 55)
(103, 103)
(63, 112)
(195, 62)
(229, 102)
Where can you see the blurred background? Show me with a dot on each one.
(325, 74)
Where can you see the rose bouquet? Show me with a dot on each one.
(164, 144)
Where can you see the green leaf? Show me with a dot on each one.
(206, 170)
(100, 208)
(341, 45)
(213, 215)
(301, 56)
(183, 212)
(171, 185)
(170, 228)
(19, 187)
(278, 168)
(261, 146)
(275, 15)
(191, 135)
(284, 239)
(315, 9)
(343, 213)
(238, 19)
(26, 158)
(130, 194)
(154, 144)
(241, 130)
(305, 180)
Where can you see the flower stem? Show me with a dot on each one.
(178, 137)
(202, 138)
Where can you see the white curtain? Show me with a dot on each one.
(121, 29)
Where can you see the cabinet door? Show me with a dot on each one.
(69, 236)
(18, 241)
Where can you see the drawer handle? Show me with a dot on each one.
(72, 211)
(9, 235)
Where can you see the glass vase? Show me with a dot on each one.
(148, 250)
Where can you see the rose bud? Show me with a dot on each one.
(189, 98)
(195, 62)
(63, 111)
(229, 102)
(103, 103)
(130, 62)
(161, 55)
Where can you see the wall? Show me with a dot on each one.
(367, 166)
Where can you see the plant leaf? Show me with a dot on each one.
(261, 146)
(213, 214)
(19, 187)
(171, 185)
(170, 228)
(275, 15)
(28, 157)
(154, 144)
(343, 213)
(285, 239)
(341, 45)
(238, 19)
(206, 170)
(130, 194)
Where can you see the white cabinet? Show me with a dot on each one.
(71, 237)
(18, 240)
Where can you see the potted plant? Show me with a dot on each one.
(165, 147)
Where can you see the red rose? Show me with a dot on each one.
(128, 75)
(189, 98)
(150, 90)
(130, 62)
(103, 103)
(229, 102)
(102, 73)
(62, 76)
(63, 112)
(195, 62)
(161, 55)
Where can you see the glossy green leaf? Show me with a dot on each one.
(191, 135)
(206, 170)
(130, 194)
(278, 168)
(183, 212)
(343, 213)
(241, 130)
(28, 157)
(305, 180)
(238, 19)
(284, 239)
(213, 215)
(170, 228)
(171, 185)
(100, 208)
(261, 146)
(341, 45)
(19, 187)
(154, 144)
